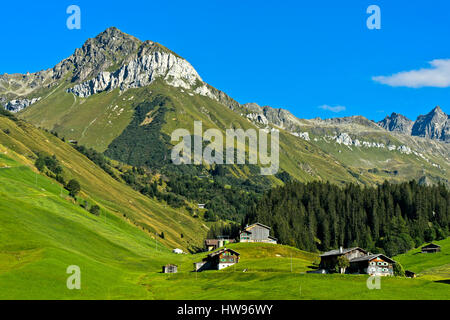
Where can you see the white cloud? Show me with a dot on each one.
(334, 109)
(438, 75)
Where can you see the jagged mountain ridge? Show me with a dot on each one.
(114, 59)
(92, 95)
(434, 125)
(397, 123)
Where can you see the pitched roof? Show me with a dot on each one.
(337, 252)
(431, 245)
(211, 242)
(215, 242)
(257, 224)
(371, 257)
(221, 251)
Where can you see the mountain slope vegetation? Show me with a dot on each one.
(127, 73)
(99, 187)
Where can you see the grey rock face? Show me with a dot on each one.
(397, 123)
(108, 50)
(116, 60)
(258, 117)
(141, 71)
(279, 117)
(434, 125)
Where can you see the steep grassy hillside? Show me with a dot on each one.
(42, 232)
(99, 187)
(431, 266)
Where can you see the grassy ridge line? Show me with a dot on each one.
(96, 122)
(117, 197)
(293, 151)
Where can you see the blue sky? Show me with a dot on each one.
(314, 58)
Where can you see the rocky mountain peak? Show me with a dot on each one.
(434, 125)
(112, 36)
(397, 122)
(437, 109)
(109, 49)
(114, 59)
(277, 116)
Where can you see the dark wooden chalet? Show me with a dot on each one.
(328, 259)
(360, 262)
(218, 260)
(431, 248)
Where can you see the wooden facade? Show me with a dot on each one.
(257, 232)
(218, 260)
(170, 268)
(329, 259)
(214, 244)
(374, 265)
(361, 262)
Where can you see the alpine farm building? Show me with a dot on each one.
(257, 232)
(361, 262)
(431, 248)
(218, 260)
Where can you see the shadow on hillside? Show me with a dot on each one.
(443, 281)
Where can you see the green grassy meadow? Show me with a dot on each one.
(42, 232)
(434, 266)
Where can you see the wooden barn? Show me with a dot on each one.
(328, 259)
(218, 260)
(431, 248)
(257, 232)
(170, 268)
(214, 244)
